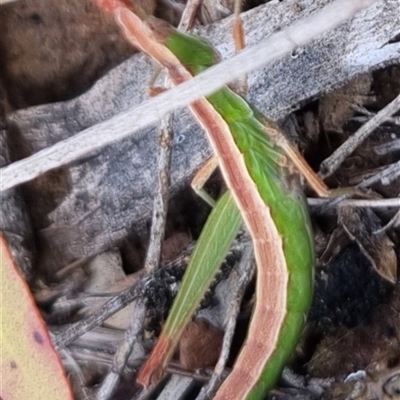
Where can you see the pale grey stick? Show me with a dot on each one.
(165, 140)
(332, 163)
(387, 148)
(124, 351)
(373, 203)
(160, 203)
(386, 176)
(81, 391)
(394, 221)
(269, 50)
(108, 309)
(369, 114)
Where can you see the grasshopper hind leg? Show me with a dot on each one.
(201, 178)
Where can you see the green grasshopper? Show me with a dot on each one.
(271, 203)
(262, 190)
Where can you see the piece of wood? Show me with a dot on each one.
(112, 189)
(15, 223)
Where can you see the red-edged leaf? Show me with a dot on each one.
(30, 367)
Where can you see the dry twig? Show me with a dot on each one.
(332, 163)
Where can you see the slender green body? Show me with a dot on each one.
(281, 193)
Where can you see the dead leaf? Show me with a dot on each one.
(200, 345)
(336, 108)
